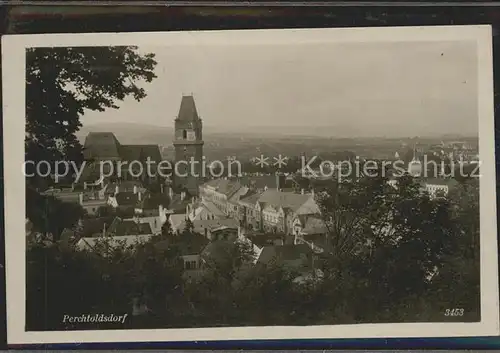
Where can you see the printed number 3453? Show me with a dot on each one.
(454, 312)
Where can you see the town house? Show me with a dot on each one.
(274, 211)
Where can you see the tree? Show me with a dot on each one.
(461, 266)
(351, 210)
(391, 241)
(273, 289)
(188, 227)
(166, 230)
(226, 258)
(61, 83)
(50, 215)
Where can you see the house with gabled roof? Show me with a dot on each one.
(188, 248)
(178, 203)
(260, 183)
(112, 188)
(152, 204)
(127, 241)
(248, 214)
(310, 229)
(438, 187)
(220, 191)
(298, 258)
(274, 211)
(208, 226)
(203, 210)
(122, 227)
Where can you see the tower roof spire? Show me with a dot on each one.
(187, 111)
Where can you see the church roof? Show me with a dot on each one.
(101, 145)
(104, 145)
(140, 153)
(187, 111)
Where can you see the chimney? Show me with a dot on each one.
(117, 189)
(139, 196)
(84, 185)
(278, 184)
(135, 189)
(170, 193)
(161, 188)
(81, 198)
(183, 195)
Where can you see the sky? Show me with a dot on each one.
(354, 89)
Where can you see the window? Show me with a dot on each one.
(190, 265)
(184, 134)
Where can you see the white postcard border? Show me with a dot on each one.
(13, 59)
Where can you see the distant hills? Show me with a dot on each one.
(135, 133)
(245, 142)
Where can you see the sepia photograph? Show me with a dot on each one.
(256, 184)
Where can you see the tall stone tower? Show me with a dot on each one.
(188, 144)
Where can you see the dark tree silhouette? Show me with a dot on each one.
(61, 83)
(188, 227)
(50, 215)
(166, 230)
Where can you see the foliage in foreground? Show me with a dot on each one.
(430, 263)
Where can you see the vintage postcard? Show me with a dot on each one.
(257, 184)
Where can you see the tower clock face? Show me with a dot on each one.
(191, 136)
